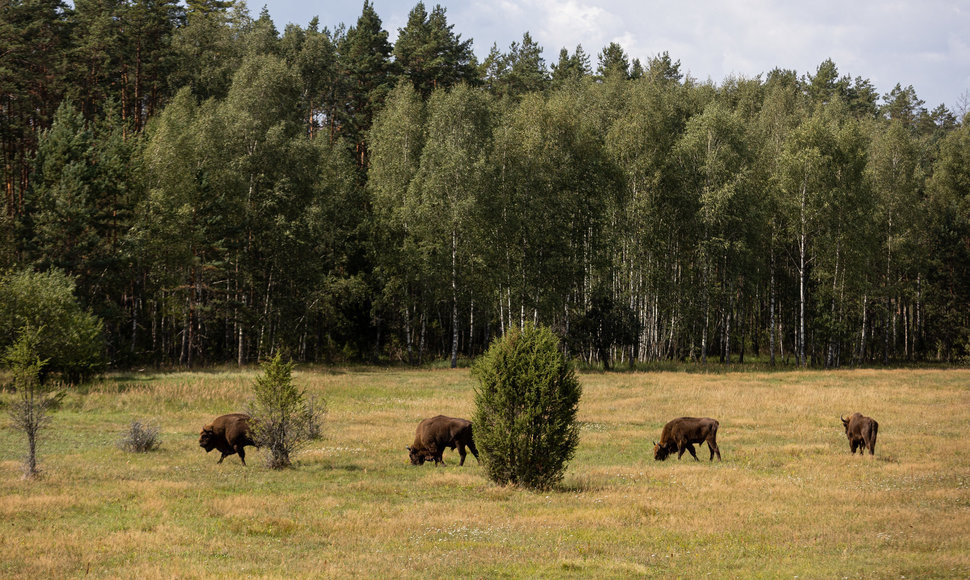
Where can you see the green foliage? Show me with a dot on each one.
(262, 206)
(613, 63)
(571, 68)
(28, 412)
(81, 206)
(519, 72)
(364, 61)
(430, 54)
(68, 338)
(282, 419)
(526, 404)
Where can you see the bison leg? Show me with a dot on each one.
(712, 445)
(242, 454)
(692, 454)
(689, 447)
(471, 447)
(461, 452)
(224, 455)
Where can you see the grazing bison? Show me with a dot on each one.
(861, 431)
(680, 435)
(229, 434)
(435, 434)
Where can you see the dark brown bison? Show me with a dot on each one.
(229, 434)
(435, 434)
(861, 431)
(680, 435)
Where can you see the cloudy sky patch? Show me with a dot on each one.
(888, 42)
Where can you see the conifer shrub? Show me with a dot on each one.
(526, 404)
(282, 420)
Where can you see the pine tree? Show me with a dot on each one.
(571, 68)
(613, 63)
(430, 55)
(366, 73)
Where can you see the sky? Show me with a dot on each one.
(924, 43)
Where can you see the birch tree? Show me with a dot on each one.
(449, 182)
(397, 140)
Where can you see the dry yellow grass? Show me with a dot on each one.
(787, 500)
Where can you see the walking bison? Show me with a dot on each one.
(433, 435)
(229, 434)
(681, 434)
(861, 432)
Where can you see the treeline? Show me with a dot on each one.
(220, 191)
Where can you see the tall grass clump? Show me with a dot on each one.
(526, 404)
(140, 438)
(282, 420)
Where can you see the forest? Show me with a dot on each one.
(214, 190)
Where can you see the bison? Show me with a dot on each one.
(229, 434)
(435, 434)
(861, 431)
(680, 435)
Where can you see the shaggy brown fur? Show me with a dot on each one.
(861, 432)
(229, 434)
(435, 434)
(681, 434)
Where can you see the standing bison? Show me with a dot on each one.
(861, 431)
(229, 434)
(435, 434)
(680, 435)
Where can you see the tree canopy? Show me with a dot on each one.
(212, 189)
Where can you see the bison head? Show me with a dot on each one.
(207, 438)
(417, 457)
(660, 452)
(845, 423)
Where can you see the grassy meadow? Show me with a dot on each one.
(788, 499)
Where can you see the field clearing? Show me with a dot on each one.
(788, 499)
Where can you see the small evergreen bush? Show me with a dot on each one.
(526, 404)
(282, 421)
(140, 438)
